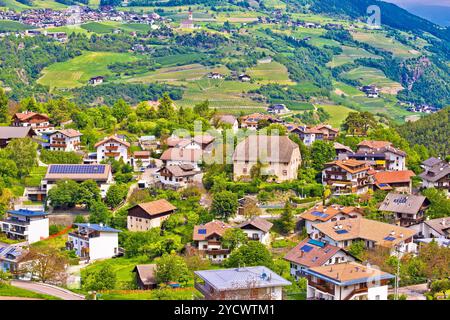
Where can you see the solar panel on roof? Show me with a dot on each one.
(341, 231)
(389, 238)
(316, 243)
(306, 248)
(76, 169)
(319, 214)
(201, 231)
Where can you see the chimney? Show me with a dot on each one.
(443, 222)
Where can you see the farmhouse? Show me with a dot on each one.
(373, 233)
(94, 241)
(347, 281)
(100, 173)
(278, 109)
(96, 80)
(313, 253)
(407, 209)
(347, 177)
(208, 240)
(434, 228)
(181, 156)
(257, 229)
(113, 147)
(39, 122)
(244, 78)
(9, 133)
(279, 156)
(65, 140)
(26, 225)
(252, 121)
(144, 216)
(244, 283)
(229, 120)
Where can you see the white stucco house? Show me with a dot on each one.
(113, 147)
(26, 225)
(257, 229)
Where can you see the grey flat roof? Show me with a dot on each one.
(242, 278)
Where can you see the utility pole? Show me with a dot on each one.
(397, 274)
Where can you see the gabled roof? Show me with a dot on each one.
(71, 133)
(227, 118)
(242, 278)
(386, 177)
(278, 149)
(339, 146)
(156, 207)
(258, 223)
(203, 231)
(112, 138)
(98, 172)
(383, 234)
(440, 225)
(403, 203)
(431, 162)
(350, 165)
(147, 273)
(180, 171)
(177, 154)
(323, 213)
(24, 116)
(311, 253)
(15, 132)
(344, 274)
(374, 144)
(436, 172)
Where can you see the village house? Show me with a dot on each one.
(96, 80)
(244, 283)
(145, 216)
(244, 78)
(371, 91)
(198, 142)
(278, 109)
(340, 148)
(215, 75)
(328, 132)
(39, 122)
(321, 214)
(257, 229)
(251, 121)
(372, 233)
(189, 22)
(176, 176)
(207, 239)
(149, 143)
(436, 175)
(100, 173)
(26, 225)
(381, 155)
(145, 276)
(398, 181)
(406, 209)
(229, 120)
(313, 253)
(280, 157)
(179, 157)
(347, 281)
(113, 147)
(9, 133)
(12, 258)
(433, 228)
(94, 241)
(347, 177)
(141, 159)
(307, 135)
(65, 140)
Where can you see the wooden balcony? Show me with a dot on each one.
(58, 145)
(112, 154)
(111, 148)
(217, 252)
(356, 291)
(321, 287)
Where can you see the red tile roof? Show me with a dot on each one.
(393, 176)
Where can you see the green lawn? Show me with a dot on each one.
(7, 290)
(12, 4)
(98, 27)
(7, 25)
(368, 76)
(77, 71)
(380, 40)
(35, 176)
(174, 294)
(337, 113)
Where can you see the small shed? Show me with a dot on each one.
(145, 276)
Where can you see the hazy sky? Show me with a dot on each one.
(429, 2)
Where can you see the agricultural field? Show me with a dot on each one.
(272, 72)
(177, 74)
(77, 71)
(15, 5)
(381, 41)
(6, 25)
(69, 29)
(349, 55)
(347, 90)
(97, 27)
(337, 113)
(368, 76)
(227, 96)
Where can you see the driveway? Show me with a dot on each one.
(415, 292)
(47, 289)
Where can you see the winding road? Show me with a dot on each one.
(47, 289)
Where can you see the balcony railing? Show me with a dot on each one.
(111, 148)
(356, 291)
(58, 145)
(217, 252)
(112, 154)
(321, 287)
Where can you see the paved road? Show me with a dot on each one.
(47, 289)
(415, 292)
